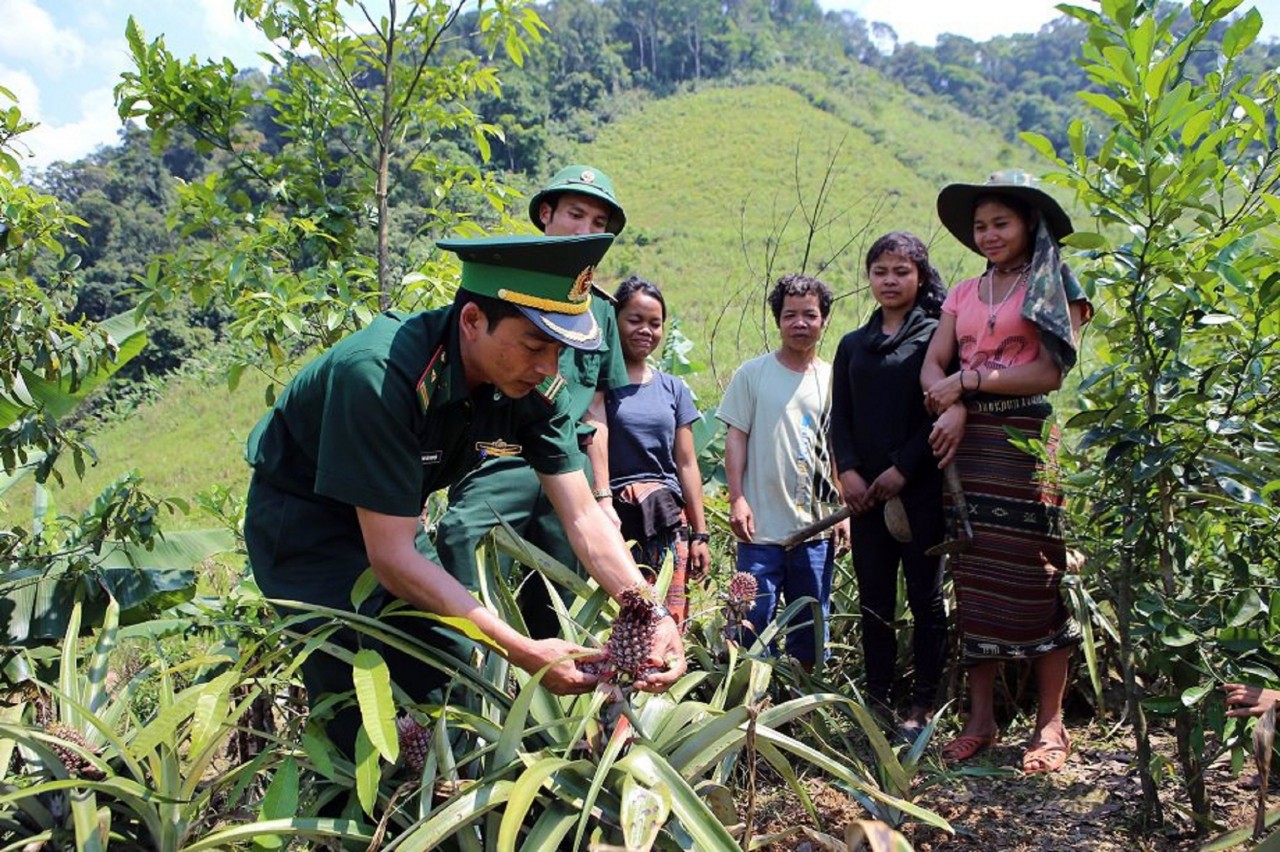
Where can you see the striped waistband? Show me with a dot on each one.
(1006, 404)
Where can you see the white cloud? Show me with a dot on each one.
(24, 88)
(224, 34)
(97, 124)
(29, 36)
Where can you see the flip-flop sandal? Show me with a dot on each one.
(1045, 759)
(966, 746)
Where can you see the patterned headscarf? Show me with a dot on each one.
(1051, 288)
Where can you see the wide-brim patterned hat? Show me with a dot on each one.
(957, 200)
(547, 278)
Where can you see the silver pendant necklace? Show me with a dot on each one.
(993, 307)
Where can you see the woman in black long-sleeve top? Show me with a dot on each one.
(880, 438)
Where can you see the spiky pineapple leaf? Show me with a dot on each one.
(551, 827)
(644, 812)
(460, 812)
(314, 828)
(92, 826)
(652, 770)
(525, 792)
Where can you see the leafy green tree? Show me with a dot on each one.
(1177, 440)
(38, 344)
(49, 364)
(295, 230)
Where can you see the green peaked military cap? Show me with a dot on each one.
(956, 204)
(584, 180)
(547, 278)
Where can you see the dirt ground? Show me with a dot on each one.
(1090, 806)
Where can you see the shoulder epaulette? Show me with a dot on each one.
(430, 377)
(550, 387)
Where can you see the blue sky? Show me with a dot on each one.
(63, 57)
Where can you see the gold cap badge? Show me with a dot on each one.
(581, 288)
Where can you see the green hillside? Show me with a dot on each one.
(707, 178)
(189, 441)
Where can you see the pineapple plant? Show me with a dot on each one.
(631, 640)
(738, 600)
(415, 742)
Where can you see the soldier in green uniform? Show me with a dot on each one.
(578, 200)
(354, 445)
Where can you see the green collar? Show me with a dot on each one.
(442, 381)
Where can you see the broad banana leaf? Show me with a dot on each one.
(35, 608)
(56, 397)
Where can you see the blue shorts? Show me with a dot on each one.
(803, 571)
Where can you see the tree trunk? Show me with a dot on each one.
(1185, 676)
(696, 44)
(384, 165)
(1150, 814)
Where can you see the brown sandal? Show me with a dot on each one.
(1045, 758)
(966, 746)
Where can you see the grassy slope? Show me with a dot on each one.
(707, 177)
(185, 443)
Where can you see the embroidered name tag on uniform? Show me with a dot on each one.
(497, 449)
(432, 457)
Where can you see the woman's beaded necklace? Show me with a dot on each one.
(993, 307)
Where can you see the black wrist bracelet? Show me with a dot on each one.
(705, 538)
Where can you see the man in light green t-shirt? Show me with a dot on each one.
(776, 408)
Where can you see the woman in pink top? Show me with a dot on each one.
(1012, 332)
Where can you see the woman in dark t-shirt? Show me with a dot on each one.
(653, 468)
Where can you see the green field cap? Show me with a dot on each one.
(956, 203)
(584, 180)
(547, 278)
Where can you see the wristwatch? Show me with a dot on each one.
(601, 493)
(703, 537)
(660, 612)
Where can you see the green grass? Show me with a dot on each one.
(187, 442)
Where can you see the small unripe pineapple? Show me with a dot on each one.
(631, 641)
(739, 598)
(415, 742)
(76, 765)
(742, 590)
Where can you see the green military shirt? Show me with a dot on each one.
(385, 417)
(584, 373)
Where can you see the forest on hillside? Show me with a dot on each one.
(150, 693)
(594, 62)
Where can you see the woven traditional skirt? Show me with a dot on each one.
(1007, 583)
